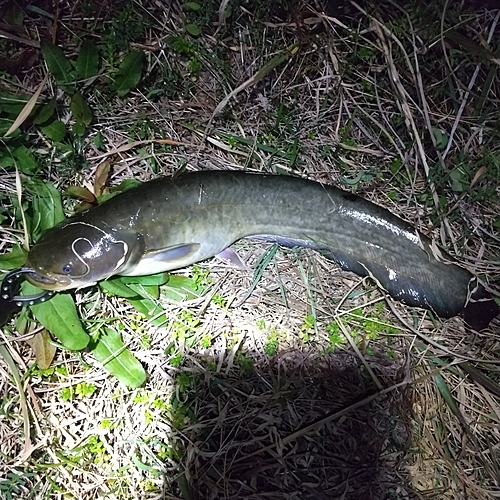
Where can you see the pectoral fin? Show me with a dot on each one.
(166, 259)
(178, 253)
(231, 257)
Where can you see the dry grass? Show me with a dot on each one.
(363, 99)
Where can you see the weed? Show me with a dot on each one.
(272, 344)
(78, 391)
(245, 362)
(307, 328)
(335, 336)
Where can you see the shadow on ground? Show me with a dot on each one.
(297, 426)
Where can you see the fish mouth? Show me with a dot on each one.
(47, 283)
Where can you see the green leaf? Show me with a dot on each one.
(150, 309)
(59, 65)
(109, 349)
(114, 286)
(25, 160)
(46, 112)
(78, 129)
(80, 109)
(193, 29)
(180, 288)
(13, 15)
(54, 130)
(60, 317)
(146, 291)
(87, 62)
(98, 141)
(192, 6)
(47, 205)
(125, 186)
(129, 73)
(150, 280)
(15, 258)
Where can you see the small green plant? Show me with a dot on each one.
(246, 363)
(219, 300)
(308, 328)
(186, 327)
(206, 341)
(14, 484)
(261, 324)
(78, 391)
(184, 381)
(335, 336)
(96, 450)
(272, 344)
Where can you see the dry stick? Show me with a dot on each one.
(434, 343)
(320, 423)
(472, 81)
(261, 73)
(405, 107)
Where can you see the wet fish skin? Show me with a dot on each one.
(167, 223)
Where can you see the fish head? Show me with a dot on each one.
(78, 254)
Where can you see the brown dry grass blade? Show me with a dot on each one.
(28, 108)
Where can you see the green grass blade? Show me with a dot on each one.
(260, 267)
(111, 352)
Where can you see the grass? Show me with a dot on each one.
(316, 386)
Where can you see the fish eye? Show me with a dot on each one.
(67, 269)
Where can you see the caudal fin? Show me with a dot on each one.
(480, 307)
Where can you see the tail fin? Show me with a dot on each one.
(480, 307)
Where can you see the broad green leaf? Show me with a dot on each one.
(47, 205)
(59, 65)
(98, 141)
(146, 291)
(60, 317)
(54, 130)
(38, 10)
(150, 280)
(78, 129)
(129, 73)
(146, 306)
(193, 29)
(13, 15)
(24, 160)
(80, 109)
(12, 105)
(150, 309)
(87, 62)
(125, 186)
(14, 259)
(181, 288)
(45, 113)
(109, 349)
(192, 6)
(114, 286)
